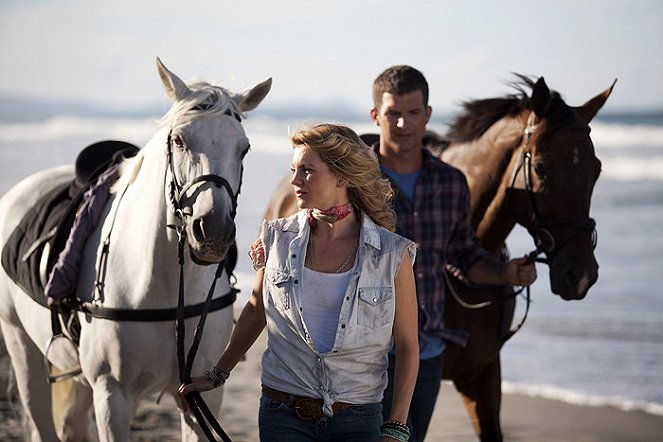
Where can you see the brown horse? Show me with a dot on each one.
(528, 160)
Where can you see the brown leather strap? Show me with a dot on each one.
(305, 408)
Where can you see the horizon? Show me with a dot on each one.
(17, 109)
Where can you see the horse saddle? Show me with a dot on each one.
(46, 226)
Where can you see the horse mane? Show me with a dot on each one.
(478, 115)
(129, 169)
(204, 100)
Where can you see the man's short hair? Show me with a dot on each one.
(399, 80)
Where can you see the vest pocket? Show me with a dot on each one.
(375, 307)
(278, 285)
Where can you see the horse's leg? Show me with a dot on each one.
(489, 401)
(33, 388)
(72, 402)
(471, 408)
(482, 395)
(113, 410)
(467, 390)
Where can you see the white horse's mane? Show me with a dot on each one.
(128, 171)
(204, 100)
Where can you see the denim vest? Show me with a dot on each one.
(355, 370)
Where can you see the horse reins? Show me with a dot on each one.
(176, 192)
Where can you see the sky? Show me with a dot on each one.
(322, 53)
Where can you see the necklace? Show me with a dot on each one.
(343, 264)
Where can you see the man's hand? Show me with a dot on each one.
(519, 271)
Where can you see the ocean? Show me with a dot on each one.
(604, 350)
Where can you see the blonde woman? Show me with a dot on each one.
(335, 288)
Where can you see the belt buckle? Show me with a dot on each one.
(307, 409)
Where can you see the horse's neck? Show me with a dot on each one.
(487, 163)
(143, 257)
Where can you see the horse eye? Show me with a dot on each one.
(179, 142)
(540, 171)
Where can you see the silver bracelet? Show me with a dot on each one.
(217, 376)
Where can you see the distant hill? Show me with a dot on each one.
(15, 109)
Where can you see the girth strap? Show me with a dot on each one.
(161, 314)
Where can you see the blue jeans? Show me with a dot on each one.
(277, 422)
(423, 398)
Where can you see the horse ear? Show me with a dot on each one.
(175, 88)
(588, 110)
(540, 100)
(251, 97)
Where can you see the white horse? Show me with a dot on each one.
(194, 162)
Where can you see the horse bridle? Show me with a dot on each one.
(176, 192)
(539, 227)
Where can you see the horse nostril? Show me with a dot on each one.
(198, 230)
(570, 278)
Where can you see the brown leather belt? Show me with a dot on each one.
(305, 408)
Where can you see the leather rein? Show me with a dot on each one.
(197, 404)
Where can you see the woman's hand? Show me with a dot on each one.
(257, 254)
(198, 384)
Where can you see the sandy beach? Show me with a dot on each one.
(524, 418)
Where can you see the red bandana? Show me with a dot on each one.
(332, 215)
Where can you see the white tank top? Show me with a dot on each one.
(321, 306)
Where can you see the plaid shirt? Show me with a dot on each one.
(438, 220)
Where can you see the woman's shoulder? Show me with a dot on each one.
(280, 229)
(387, 238)
(283, 224)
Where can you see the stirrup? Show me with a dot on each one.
(63, 374)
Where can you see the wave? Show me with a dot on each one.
(604, 135)
(611, 135)
(628, 152)
(578, 398)
(624, 168)
(58, 128)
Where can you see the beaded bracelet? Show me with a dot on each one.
(395, 430)
(217, 376)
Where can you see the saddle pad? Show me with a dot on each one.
(21, 255)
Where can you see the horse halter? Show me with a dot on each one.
(177, 190)
(539, 229)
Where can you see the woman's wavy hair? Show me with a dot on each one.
(348, 158)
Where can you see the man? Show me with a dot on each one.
(432, 208)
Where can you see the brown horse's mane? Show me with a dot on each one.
(478, 115)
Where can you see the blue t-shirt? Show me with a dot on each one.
(404, 181)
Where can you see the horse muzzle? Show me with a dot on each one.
(210, 237)
(571, 276)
